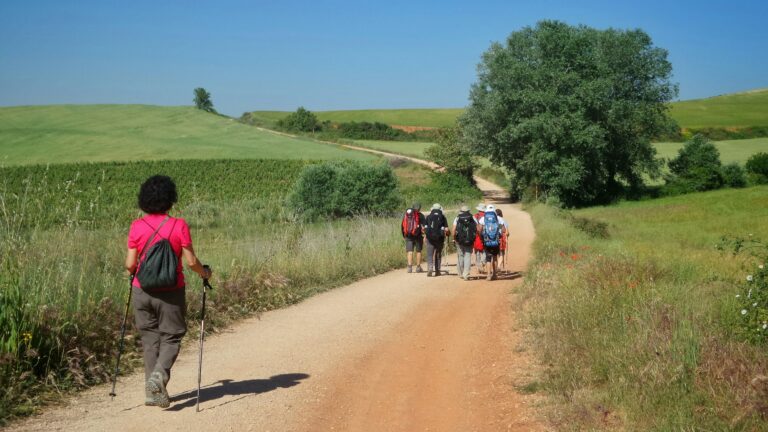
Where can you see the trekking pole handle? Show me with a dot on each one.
(205, 280)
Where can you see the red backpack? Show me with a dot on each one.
(411, 223)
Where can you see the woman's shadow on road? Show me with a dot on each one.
(228, 387)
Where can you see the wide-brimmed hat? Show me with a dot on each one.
(464, 208)
(490, 208)
(436, 206)
(481, 207)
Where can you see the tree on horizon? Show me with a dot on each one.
(203, 100)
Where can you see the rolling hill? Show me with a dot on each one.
(728, 111)
(99, 133)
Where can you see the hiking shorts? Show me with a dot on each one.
(490, 252)
(414, 244)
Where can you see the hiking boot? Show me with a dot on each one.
(419, 269)
(410, 270)
(429, 273)
(437, 272)
(465, 277)
(157, 395)
(490, 276)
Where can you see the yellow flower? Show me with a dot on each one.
(26, 337)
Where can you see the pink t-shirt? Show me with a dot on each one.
(175, 230)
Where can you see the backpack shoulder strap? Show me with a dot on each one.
(152, 237)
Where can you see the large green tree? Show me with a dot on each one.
(203, 100)
(571, 110)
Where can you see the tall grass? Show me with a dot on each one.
(635, 315)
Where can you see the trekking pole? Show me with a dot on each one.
(122, 337)
(202, 338)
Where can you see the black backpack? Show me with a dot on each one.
(435, 226)
(158, 267)
(466, 229)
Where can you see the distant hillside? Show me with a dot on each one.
(95, 133)
(430, 117)
(727, 111)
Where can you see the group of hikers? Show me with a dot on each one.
(482, 235)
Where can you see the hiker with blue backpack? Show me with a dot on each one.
(436, 230)
(464, 235)
(412, 228)
(156, 244)
(491, 229)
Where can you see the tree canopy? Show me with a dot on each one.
(303, 120)
(452, 154)
(571, 110)
(203, 100)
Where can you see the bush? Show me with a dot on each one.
(734, 175)
(369, 131)
(757, 167)
(752, 300)
(696, 168)
(453, 153)
(302, 120)
(344, 189)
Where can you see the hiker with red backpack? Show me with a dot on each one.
(436, 228)
(478, 245)
(464, 235)
(412, 228)
(156, 244)
(504, 238)
(491, 229)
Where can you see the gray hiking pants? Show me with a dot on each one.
(434, 256)
(160, 318)
(465, 259)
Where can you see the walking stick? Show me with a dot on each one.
(122, 338)
(202, 338)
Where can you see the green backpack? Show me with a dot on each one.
(157, 269)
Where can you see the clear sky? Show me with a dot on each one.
(335, 54)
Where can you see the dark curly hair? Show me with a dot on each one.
(157, 194)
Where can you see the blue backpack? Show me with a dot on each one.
(491, 233)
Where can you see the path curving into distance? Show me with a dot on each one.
(395, 352)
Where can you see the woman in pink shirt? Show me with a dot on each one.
(160, 312)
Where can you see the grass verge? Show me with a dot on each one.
(635, 316)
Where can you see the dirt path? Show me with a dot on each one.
(396, 352)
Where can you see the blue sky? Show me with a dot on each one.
(335, 54)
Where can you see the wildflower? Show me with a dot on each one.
(754, 304)
(743, 311)
(749, 278)
(738, 295)
(765, 326)
(760, 266)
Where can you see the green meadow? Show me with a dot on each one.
(407, 148)
(730, 151)
(102, 133)
(429, 117)
(635, 314)
(733, 110)
(730, 111)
